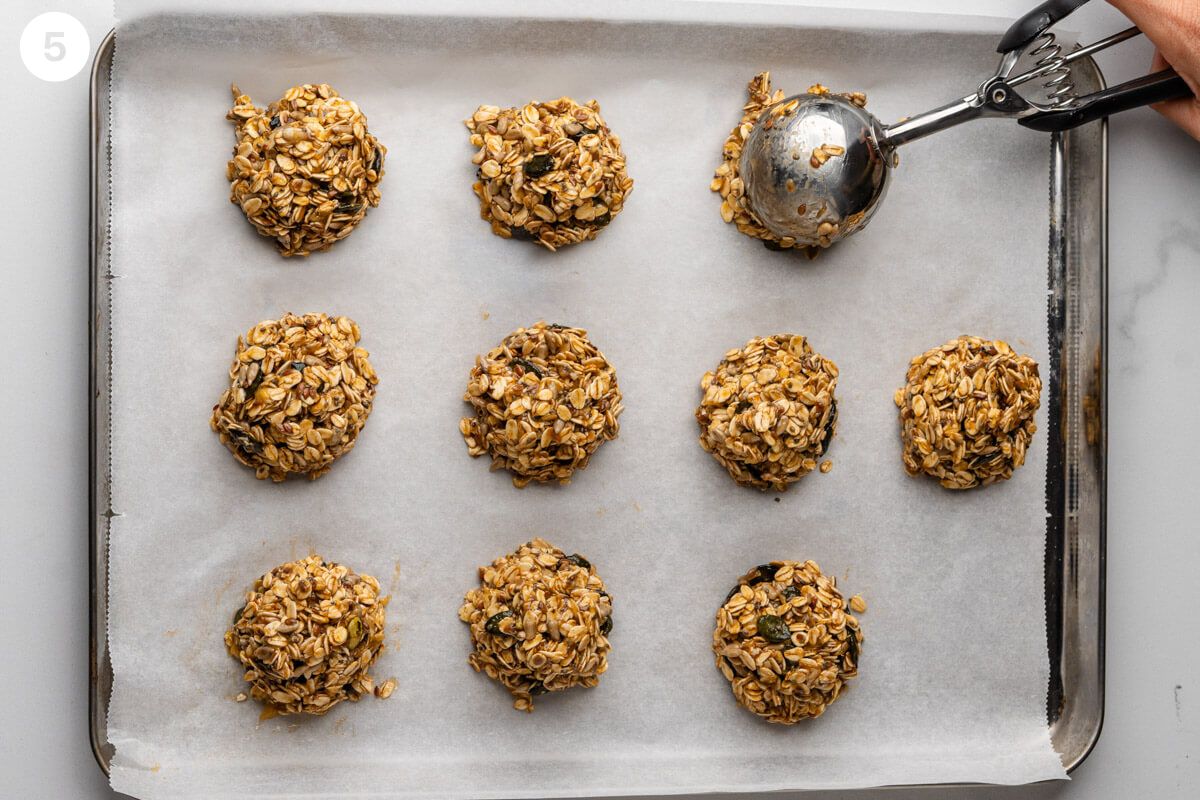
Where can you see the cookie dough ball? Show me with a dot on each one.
(785, 641)
(304, 169)
(768, 411)
(966, 412)
(307, 636)
(552, 172)
(300, 390)
(539, 622)
(545, 399)
(728, 182)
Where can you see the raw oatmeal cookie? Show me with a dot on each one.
(768, 411)
(300, 390)
(551, 172)
(307, 636)
(728, 183)
(545, 399)
(305, 168)
(786, 642)
(539, 622)
(967, 412)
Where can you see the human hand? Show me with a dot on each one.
(1173, 27)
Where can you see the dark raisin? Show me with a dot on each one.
(254, 384)
(492, 626)
(526, 365)
(522, 234)
(538, 688)
(741, 406)
(583, 131)
(851, 646)
(772, 245)
(789, 592)
(763, 572)
(829, 428)
(539, 165)
(773, 628)
(602, 220)
(579, 561)
(606, 626)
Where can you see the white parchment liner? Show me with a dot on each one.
(954, 668)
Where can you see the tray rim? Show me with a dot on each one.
(100, 667)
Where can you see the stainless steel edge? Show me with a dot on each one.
(100, 668)
(1076, 725)
(1079, 207)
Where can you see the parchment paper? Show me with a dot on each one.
(954, 668)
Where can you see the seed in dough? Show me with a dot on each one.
(307, 636)
(551, 172)
(305, 169)
(785, 641)
(540, 621)
(967, 412)
(300, 390)
(545, 399)
(768, 411)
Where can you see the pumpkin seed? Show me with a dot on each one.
(773, 628)
(354, 630)
(606, 626)
(275, 122)
(492, 626)
(237, 615)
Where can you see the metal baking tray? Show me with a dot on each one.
(1076, 476)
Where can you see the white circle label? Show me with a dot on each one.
(55, 46)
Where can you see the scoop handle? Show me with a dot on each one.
(1165, 85)
(1033, 24)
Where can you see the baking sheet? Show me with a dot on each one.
(953, 673)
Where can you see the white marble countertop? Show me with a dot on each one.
(1152, 723)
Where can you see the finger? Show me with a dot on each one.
(1185, 113)
(1163, 22)
(1160, 63)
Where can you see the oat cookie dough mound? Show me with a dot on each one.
(300, 390)
(966, 412)
(785, 641)
(728, 183)
(545, 399)
(552, 172)
(307, 636)
(304, 169)
(539, 622)
(768, 411)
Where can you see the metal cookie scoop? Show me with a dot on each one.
(817, 171)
